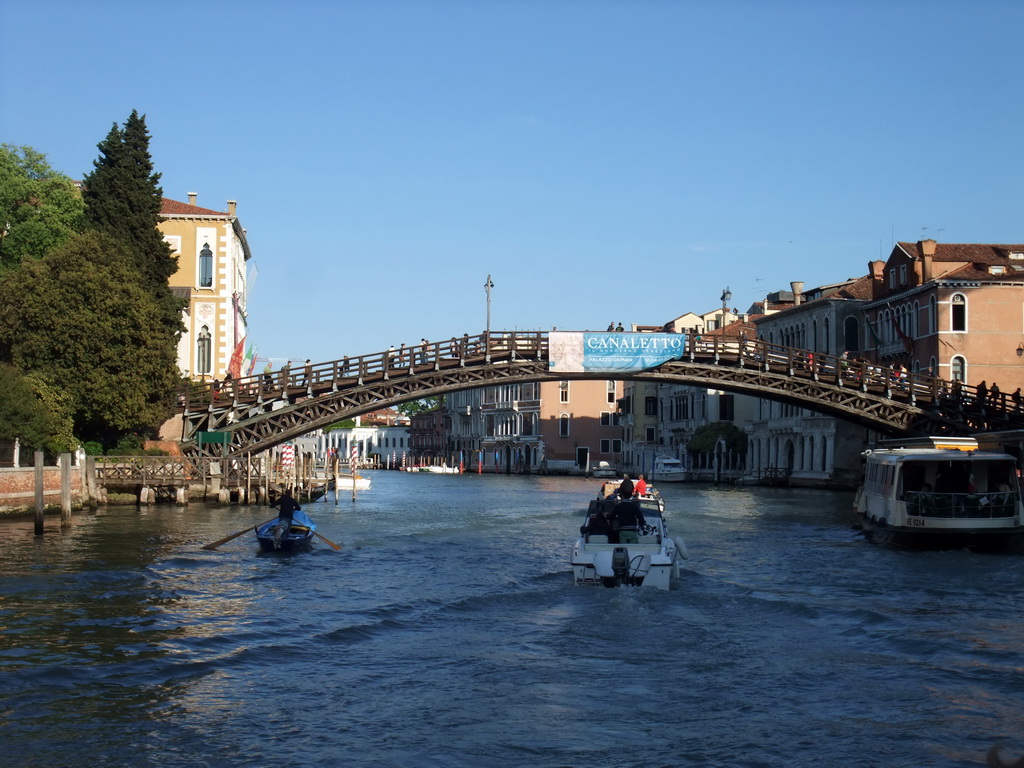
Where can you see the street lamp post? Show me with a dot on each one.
(726, 298)
(487, 287)
(487, 336)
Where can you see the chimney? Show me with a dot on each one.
(876, 269)
(231, 207)
(798, 289)
(927, 248)
(192, 198)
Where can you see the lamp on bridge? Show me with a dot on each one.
(487, 287)
(726, 298)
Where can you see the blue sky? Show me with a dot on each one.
(601, 161)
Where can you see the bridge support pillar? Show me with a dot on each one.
(224, 496)
(147, 495)
(181, 495)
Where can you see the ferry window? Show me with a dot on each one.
(958, 313)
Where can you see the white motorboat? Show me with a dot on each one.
(945, 495)
(653, 561)
(668, 469)
(345, 482)
(604, 469)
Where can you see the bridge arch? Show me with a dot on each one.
(259, 412)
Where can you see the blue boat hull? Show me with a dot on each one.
(299, 538)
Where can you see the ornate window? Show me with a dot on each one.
(204, 349)
(206, 267)
(563, 425)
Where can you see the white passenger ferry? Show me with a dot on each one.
(941, 493)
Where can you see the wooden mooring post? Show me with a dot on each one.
(40, 486)
(65, 490)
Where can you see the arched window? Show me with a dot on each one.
(958, 369)
(204, 349)
(933, 315)
(563, 425)
(851, 334)
(826, 346)
(958, 312)
(206, 267)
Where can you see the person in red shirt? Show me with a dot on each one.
(640, 487)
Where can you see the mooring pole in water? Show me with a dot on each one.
(65, 490)
(39, 493)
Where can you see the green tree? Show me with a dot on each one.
(421, 406)
(123, 199)
(39, 207)
(705, 438)
(23, 416)
(81, 320)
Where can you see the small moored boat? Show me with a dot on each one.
(604, 469)
(276, 536)
(668, 469)
(944, 494)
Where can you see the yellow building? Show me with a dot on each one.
(212, 253)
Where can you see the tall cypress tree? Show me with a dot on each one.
(123, 199)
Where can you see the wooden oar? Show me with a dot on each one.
(226, 539)
(327, 540)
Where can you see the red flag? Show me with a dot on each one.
(235, 366)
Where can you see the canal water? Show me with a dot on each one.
(448, 633)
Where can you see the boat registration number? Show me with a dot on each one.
(915, 522)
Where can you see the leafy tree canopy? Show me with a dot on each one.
(39, 207)
(706, 437)
(123, 200)
(81, 321)
(421, 406)
(22, 414)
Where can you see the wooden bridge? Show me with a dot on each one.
(255, 413)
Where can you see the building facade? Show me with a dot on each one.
(213, 255)
(953, 309)
(785, 440)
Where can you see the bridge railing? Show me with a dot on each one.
(841, 370)
(317, 378)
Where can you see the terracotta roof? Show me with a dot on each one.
(975, 253)
(174, 207)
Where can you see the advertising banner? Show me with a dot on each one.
(581, 351)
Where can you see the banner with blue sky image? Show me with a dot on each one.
(581, 351)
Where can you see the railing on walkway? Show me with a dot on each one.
(962, 505)
(174, 471)
(324, 377)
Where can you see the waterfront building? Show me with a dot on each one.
(511, 440)
(950, 308)
(579, 425)
(427, 438)
(789, 441)
(464, 426)
(380, 445)
(213, 255)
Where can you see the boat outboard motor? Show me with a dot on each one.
(620, 565)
